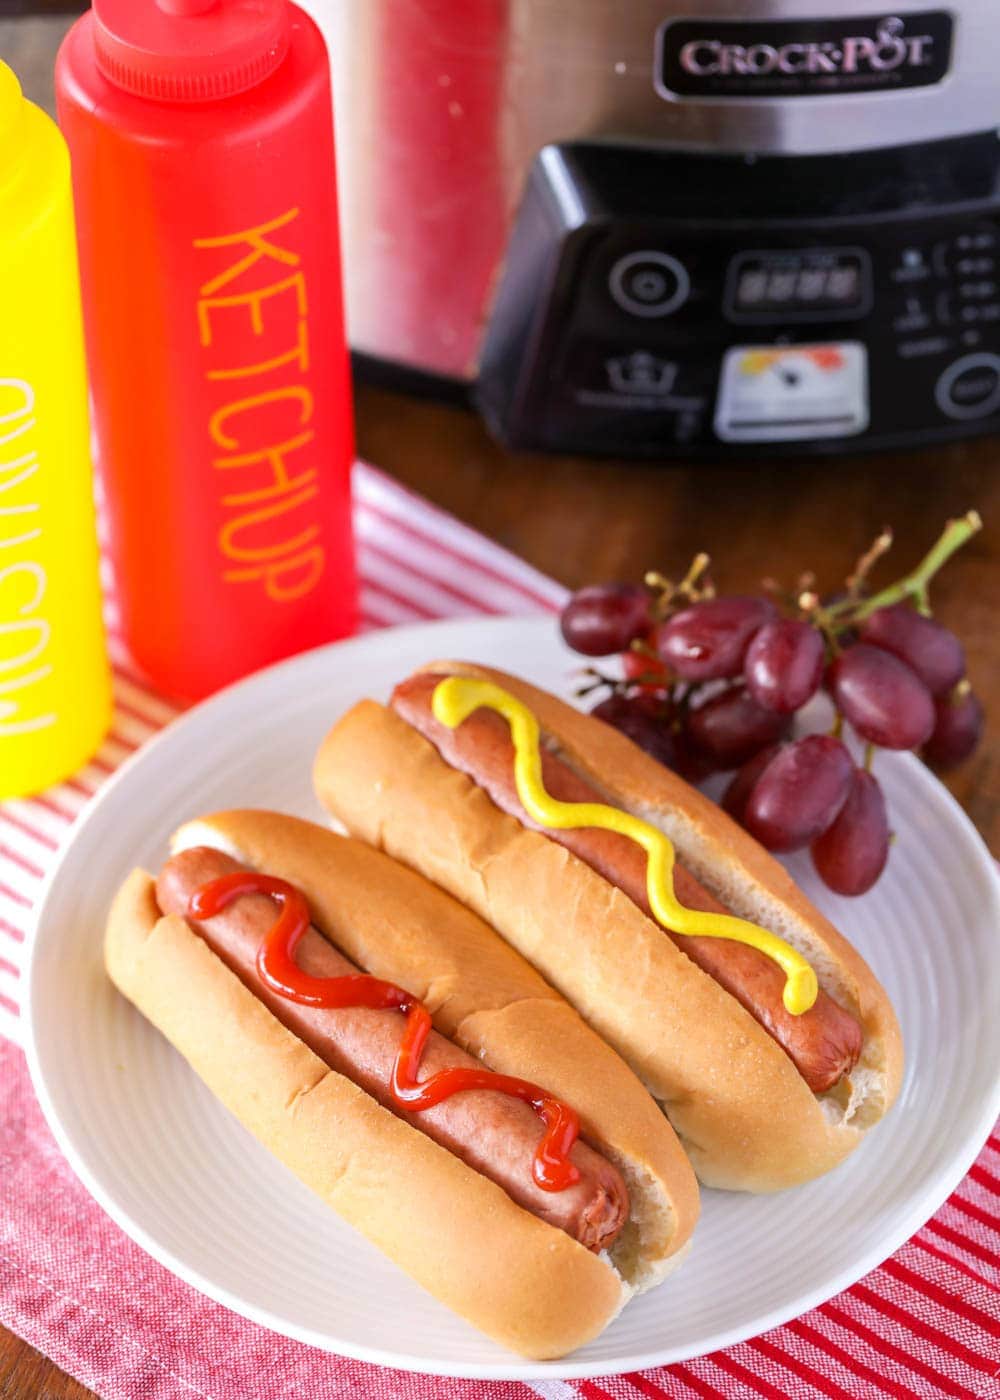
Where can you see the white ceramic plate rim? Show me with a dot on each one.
(883, 1245)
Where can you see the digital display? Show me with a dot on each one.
(774, 285)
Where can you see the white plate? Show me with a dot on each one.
(191, 1186)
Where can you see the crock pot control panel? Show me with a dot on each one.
(656, 302)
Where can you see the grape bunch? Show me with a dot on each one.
(712, 685)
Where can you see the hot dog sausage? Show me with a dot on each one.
(824, 1043)
(494, 1134)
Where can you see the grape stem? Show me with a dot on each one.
(693, 587)
(914, 586)
(594, 680)
(881, 545)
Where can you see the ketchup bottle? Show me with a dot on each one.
(55, 687)
(200, 133)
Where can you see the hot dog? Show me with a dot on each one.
(448, 1191)
(762, 1096)
(493, 1133)
(824, 1043)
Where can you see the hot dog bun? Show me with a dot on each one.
(743, 1112)
(523, 1282)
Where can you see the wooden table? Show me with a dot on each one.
(584, 520)
(589, 520)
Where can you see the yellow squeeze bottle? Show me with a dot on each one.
(55, 693)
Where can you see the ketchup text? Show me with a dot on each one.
(253, 326)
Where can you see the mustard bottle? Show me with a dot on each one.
(55, 692)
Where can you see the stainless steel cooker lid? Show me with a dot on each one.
(443, 107)
(775, 76)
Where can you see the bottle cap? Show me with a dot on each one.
(189, 50)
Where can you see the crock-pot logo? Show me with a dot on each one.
(802, 58)
(886, 49)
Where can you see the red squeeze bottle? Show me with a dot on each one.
(201, 139)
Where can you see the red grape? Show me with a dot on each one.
(605, 617)
(852, 852)
(799, 793)
(708, 640)
(691, 763)
(645, 671)
(731, 727)
(645, 723)
(958, 728)
(928, 648)
(886, 702)
(784, 664)
(734, 799)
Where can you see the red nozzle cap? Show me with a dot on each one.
(186, 7)
(189, 50)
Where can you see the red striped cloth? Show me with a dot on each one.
(925, 1324)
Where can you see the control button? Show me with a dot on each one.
(977, 290)
(989, 312)
(636, 382)
(912, 266)
(973, 267)
(926, 345)
(641, 373)
(914, 317)
(975, 242)
(649, 283)
(970, 388)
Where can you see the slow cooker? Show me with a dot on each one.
(656, 227)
